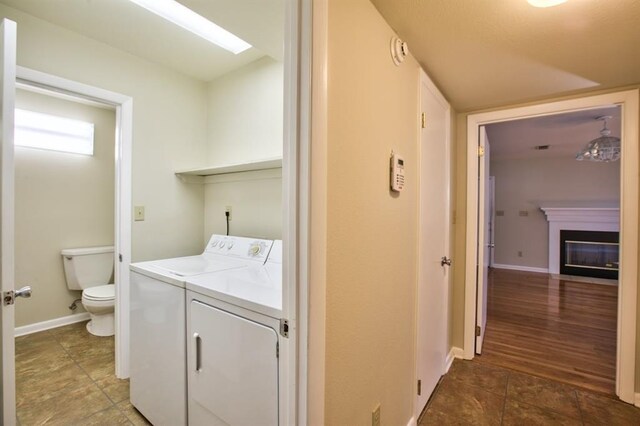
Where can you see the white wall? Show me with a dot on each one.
(169, 127)
(245, 114)
(245, 123)
(256, 202)
(524, 184)
(62, 201)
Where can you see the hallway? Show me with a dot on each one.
(551, 328)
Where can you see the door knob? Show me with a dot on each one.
(445, 261)
(23, 292)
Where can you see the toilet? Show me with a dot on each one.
(90, 270)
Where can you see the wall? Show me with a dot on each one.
(169, 128)
(371, 244)
(524, 184)
(62, 201)
(457, 303)
(245, 113)
(255, 199)
(245, 122)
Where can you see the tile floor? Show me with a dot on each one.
(65, 376)
(478, 394)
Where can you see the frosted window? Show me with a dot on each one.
(44, 131)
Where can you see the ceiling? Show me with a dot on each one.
(128, 27)
(487, 53)
(565, 133)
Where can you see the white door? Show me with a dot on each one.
(7, 101)
(433, 242)
(484, 238)
(492, 220)
(233, 369)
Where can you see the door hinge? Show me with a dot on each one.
(120, 257)
(423, 120)
(478, 330)
(284, 327)
(419, 387)
(277, 349)
(8, 298)
(480, 151)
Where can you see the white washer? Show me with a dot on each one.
(158, 384)
(233, 357)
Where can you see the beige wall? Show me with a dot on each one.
(62, 201)
(245, 122)
(169, 128)
(256, 204)
(245, 113)
(370, 232)
(525, 184)
(460, 189)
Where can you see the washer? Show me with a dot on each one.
(158, 385)
(233, 356)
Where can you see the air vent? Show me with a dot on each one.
(541, 147)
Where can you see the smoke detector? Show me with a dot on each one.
(399, 50)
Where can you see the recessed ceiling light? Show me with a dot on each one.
(189, 20)
(545, 3)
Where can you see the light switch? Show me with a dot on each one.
(138, 213)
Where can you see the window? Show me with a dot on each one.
(44, 131)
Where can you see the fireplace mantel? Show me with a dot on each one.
(577, 218)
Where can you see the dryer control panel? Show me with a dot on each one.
(239, 247)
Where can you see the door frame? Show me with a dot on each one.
(627, 288)
(424, 80)
(124, 140)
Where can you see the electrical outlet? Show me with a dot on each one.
(227, 209)
(524, 213)
(375, 416)
(138, 213)
(519, 254)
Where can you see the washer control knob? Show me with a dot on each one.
(214, 243)
(221, 244)
(229, 244)
(254, 249)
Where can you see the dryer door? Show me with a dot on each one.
(233, 369)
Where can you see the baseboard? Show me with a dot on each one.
(453, 354)
(520, 268)
(412, 422)
(46, 325)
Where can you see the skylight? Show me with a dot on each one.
(189, 20)
(50, 132)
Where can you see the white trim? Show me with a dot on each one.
(628, 291)
(49, 324)
(521, 268)
(454, 353)
(412, 422)
(124, 141)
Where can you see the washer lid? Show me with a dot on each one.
(101, 292)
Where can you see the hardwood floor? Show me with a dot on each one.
(552, 328)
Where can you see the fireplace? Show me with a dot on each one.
(589, 253)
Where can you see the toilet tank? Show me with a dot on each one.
(87, 267)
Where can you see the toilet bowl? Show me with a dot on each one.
(90, 269)
(99, 302)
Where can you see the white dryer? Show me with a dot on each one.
(158, 384)
(233, 356)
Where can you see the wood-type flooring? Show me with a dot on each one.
(552, 328)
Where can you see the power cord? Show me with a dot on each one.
(227, 217)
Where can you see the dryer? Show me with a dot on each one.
(233, 353)
(158, 384)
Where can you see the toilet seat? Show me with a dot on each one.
(101, 293)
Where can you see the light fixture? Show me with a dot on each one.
(605, 148)
(199, 25)
(545, 3)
